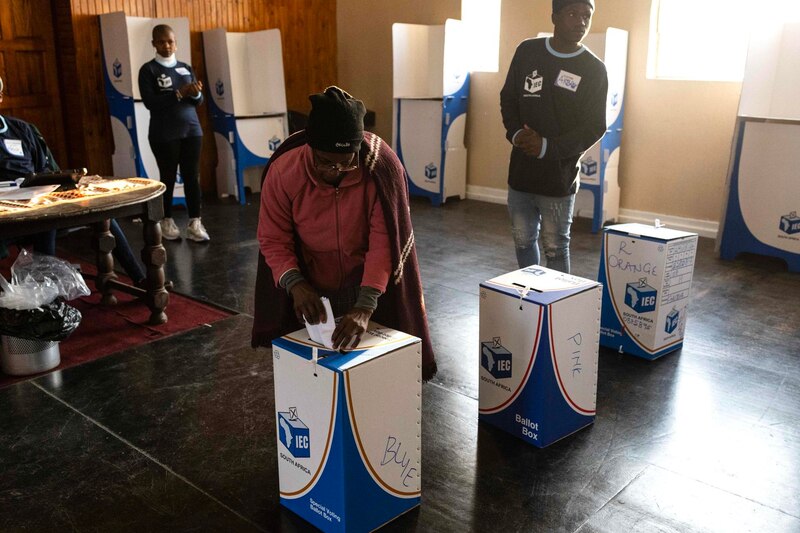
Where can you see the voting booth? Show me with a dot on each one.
(126, 46)
(646, 272)
(763, 200)
(598, 197)
(539, 343)
(247, 105)
(348, 428)
(431, 88)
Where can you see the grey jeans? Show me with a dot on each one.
(532, 216)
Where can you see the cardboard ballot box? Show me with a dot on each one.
(348, 428)
(647, 276)
(539, 335)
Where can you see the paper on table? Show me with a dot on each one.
(28, 193)
(322, 333)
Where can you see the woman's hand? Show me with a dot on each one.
(191, 89)
(352, 325)
(307, 303)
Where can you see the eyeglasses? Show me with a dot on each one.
(329, 166)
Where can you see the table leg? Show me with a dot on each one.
(154, 257)
(104, 243)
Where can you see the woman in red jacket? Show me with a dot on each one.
(335, 222)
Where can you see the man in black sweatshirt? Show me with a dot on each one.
(554, 109)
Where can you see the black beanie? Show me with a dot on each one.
(558, 5)
(336, 121)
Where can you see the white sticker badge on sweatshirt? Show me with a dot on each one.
(183, 71)
(14, 147)
(164, 81)
(567, 80)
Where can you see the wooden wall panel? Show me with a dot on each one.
(29, 68)
(308, 32)
(65, 51)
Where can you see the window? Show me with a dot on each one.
(699, 39)
(481, 20)
(707, 40)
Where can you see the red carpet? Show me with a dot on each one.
(109, 329)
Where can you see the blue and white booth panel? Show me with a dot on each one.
(419, 144)
(763, 196)
(430, 143)
(243, 152)
(258, 140)
(598, 195)
(123, 159)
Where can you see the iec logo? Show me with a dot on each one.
(274, 143)
(790, 224)
(496, 359)
(220, 87)
(533, 83)
(430, 171)
(117, 67)
(672, 320)
(589, 167)
(640, 296)
(164, 81)
(615, 100)
(293, 434)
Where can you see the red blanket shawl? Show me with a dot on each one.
(402, 306)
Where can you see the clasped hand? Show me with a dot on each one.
(191, 89)
(529, 141)
(351, 327)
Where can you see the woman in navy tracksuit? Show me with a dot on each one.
(171, 92)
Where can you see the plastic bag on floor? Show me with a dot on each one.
(32, 305)
(38, 279)
(54, 321)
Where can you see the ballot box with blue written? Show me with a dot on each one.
(646, 272)
(539, 340)
(348, 428)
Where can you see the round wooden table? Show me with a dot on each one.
(67, 209)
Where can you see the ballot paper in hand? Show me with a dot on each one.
(322, 333)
